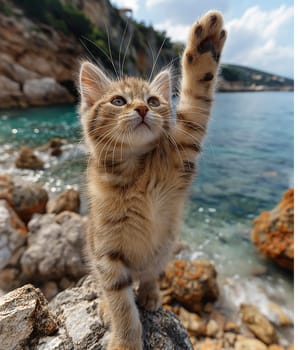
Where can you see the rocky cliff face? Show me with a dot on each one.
(40, 56)
(36, 62)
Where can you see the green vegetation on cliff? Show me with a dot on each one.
(61, 17)
(70, 17)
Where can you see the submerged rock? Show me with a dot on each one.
(190, 283)
(273, 232)
(258, 324)
(68, 200)
(55, 247)
(24, 314)
(27, 159)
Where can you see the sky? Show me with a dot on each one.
(260, 33)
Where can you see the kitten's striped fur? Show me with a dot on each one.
(138, 175)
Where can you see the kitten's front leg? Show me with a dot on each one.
(199, 68)
(119, 300)
(149, 295)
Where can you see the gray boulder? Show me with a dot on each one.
(55, 247)
(28, 323)
(23, 314)
(81, 328)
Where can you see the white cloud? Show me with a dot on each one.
(177, 32)
(132, 4)
(257, 39)
(152, 3)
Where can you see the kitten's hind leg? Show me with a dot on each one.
(148, 295)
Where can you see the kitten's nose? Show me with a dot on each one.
(142, 110)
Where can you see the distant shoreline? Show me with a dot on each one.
(256, 90)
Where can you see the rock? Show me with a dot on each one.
(6, 188)
(191, 283)
(192, 322)
(280, 316)
(68, 200)
(212, 329)
(24, 312)
(56, 152)
(275, 347)
(258, 324)
(28, 199)
(231, 327)
(15, 71)
(65, 283)
(55, 142)
(229, 340)
(50, 289)
(53, 146)
(249, 344)
(161, 329)
(55, 247)
(211, 345)
(27, 159)
(9, 278)
(273, 232)
(45, 91)
(10, 91)
(34, 60)
(12, 238)
(9, 217)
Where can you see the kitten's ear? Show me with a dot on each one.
(162, 84)
(93, 83)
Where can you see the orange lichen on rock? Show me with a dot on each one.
(191, 283)
(273, 232)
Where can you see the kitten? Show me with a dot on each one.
(142, 161)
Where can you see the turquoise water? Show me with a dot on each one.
(246, 165)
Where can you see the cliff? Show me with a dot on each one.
(43, 41)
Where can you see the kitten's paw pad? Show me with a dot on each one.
(150, 301)
(104, 313)
(206, 40)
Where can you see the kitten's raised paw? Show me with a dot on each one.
(205, 43)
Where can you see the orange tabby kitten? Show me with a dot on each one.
(142, 161)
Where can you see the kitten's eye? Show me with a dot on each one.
(118, 101)
(153, 101)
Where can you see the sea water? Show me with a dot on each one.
(246, 165)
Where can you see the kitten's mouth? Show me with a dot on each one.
(143, 124)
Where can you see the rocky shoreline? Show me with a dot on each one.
(41, 242)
